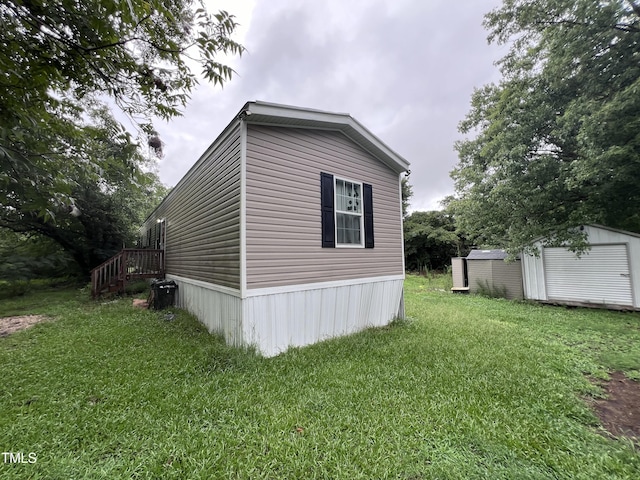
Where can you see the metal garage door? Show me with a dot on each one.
(599, 276)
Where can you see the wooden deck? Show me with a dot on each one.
(129, 265)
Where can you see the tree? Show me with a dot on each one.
(557, 141)
(430, 240)
(108, 204)
(407, 193)
(61, 153)
(59, 57)
(28, 256)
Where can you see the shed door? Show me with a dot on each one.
(599, 276)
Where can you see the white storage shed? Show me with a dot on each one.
(607, 275)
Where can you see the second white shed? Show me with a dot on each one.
(607, 275)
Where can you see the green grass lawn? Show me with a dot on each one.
(467, 387)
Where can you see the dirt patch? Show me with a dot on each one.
(620, 411)
(8, 325)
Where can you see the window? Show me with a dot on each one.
(347, 212)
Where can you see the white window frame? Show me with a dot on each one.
(335, 213)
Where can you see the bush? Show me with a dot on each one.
(491, 291)
(18, 288)
(448, 281)
(15, 288)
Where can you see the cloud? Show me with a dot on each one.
(404, 68)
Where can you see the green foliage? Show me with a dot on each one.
(407, 193)
(433, 281)
(108, 203)
(448, 279)
(15, 288)
(30, 256)
(12, 288)
(61, 152)
(556, 143)
(438, 281)
(468, 387)
(430, 240)
(138, 53)
(491, 290)
(45, 297)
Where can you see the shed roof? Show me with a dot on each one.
(616, 230)
(597, 227)
(265, 113)
(487, 255)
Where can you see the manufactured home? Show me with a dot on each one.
(287, 230)
(606, 275)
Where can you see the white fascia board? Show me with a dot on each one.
(289, 111)
(363, 131)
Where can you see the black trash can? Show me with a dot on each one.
(164, 293)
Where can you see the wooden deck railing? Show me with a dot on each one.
(130, 264)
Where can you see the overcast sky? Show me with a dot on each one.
(405, 69)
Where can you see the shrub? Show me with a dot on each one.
(491, 291)
(448, 280)
(15, 288)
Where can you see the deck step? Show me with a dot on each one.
(128, 265)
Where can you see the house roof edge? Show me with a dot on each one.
(291, 116)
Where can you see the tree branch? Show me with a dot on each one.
(623, 27)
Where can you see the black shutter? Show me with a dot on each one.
(328, 218)
(367, 198)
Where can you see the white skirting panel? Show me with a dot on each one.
(274, 322)
(216, 307)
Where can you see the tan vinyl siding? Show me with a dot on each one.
(496, 274)
(203, 217)
(283, 231)
(509, 276)
(479, 272)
